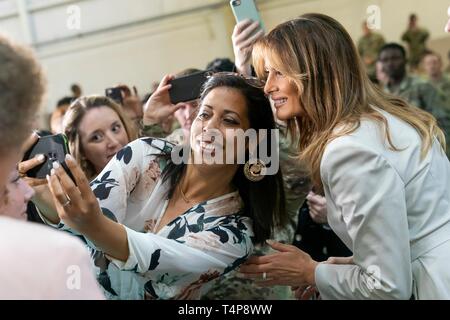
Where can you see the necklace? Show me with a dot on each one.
(183, 195)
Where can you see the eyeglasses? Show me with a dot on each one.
(252, 81)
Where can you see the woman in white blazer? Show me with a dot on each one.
(379, 162)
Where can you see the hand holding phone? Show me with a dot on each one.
(159, 107)
(243, 39)
(249, 28)
(26, 165)
(54, 149)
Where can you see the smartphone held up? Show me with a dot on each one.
(187, 88)
(54, 148)
(246, 9)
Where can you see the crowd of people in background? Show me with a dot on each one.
(125, 197)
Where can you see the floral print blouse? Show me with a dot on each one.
(207, 241)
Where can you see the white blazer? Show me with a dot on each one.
(392, 209)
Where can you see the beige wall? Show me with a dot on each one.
(125, 41)
(351, 13)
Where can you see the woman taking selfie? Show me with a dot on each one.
(96, 128)
(379, 162)
(168, 228)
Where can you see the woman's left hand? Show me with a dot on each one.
(289, 266)
(75, 201)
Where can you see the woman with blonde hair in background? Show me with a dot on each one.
(380, 162)
(97, 128)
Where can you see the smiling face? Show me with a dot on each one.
(18, 193)
(102, 135)
(283, 93)
(222, 111)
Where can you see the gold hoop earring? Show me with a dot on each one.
(255, 171)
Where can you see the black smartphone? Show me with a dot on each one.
(115, 94)
(54, 148)
(187, 88)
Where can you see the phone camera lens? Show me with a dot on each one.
(236, 3)
(52, 156)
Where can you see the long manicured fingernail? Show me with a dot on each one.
(69, 158)
(56, 165)
(270, 242)
(48, 178)
(41, 157)
(52, 172)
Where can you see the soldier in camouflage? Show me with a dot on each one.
(416, 39)
(368, 46)
(415, 91)
(432, 63)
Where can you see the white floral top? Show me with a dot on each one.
(207, 241)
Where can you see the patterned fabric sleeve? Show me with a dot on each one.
(114, 184)
(122, 174)
(178, 267)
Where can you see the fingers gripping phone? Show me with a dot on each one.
(246, 9)
(187, 88)
(54, 148)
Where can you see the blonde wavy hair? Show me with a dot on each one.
(72, 120)
(317, 54)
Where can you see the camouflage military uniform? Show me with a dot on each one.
(297, 186)
(422, 94)
(369, 46)
(416, 40)
(157, 131)
(443, 86)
